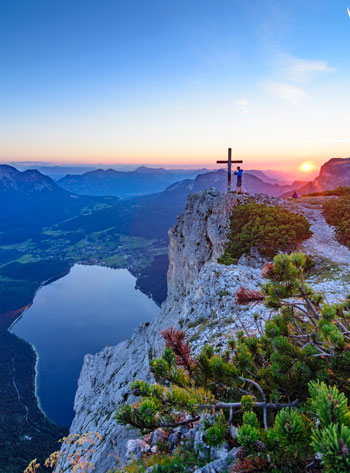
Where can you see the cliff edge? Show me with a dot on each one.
(201, 300)
(196, 241)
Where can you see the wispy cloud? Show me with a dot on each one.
(284, 91)
(302, 70)
(242, 105)
(290, 72)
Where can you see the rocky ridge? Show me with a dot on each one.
(26, 182)
(334, 173)
(201, 300)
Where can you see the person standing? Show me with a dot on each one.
(239, 173)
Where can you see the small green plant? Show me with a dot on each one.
(269, 229)
(332, 443)
(215, 430)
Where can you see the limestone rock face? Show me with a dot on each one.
(334, 173)
(201, 300)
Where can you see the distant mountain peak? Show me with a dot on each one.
(142, 181)
(27, 182)
(145, 169)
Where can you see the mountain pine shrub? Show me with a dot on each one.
(269, 229)
(339, 191)
(286, 390)
(337, 214)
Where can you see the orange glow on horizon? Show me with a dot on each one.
(264, 161)
(307, 166)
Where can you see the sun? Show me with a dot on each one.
(307, 166)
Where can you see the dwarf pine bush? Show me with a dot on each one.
(269, 229)
(286, 390)
(337, 214)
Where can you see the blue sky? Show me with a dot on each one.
(174, 81)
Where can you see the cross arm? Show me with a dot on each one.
(225, 162)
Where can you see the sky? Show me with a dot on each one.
(175, 82)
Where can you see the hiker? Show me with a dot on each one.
(295, 195)
(239, 173)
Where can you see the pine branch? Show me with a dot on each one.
(309, 304)
(275, 406)
(175, 339)
(254, 383)
(183, 422)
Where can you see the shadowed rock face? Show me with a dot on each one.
(22, 191)
(26, 183)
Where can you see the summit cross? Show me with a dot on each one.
(229, 168)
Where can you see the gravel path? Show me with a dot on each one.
(335, 282)
(323, 242)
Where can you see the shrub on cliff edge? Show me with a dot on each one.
(269, 229)
(337, 214)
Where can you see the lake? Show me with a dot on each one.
(81, 313)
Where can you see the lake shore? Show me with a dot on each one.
(93, 306)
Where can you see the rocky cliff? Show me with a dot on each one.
(334, 173)
(201, 300)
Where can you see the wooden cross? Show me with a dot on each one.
(229, 168)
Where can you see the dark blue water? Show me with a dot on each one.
(81, 313)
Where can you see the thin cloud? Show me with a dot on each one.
(285, 91)
(303, 70)
(242, 105)
(290, 72)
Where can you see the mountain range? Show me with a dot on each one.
(251, 183)
(142, 180)
(29, 200)
(56, 172)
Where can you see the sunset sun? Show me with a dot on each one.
(307, 166)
